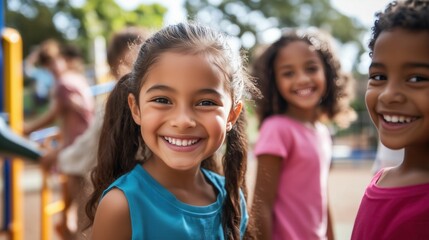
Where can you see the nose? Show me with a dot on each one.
(183, 118)
(303, 77)
(392, 93)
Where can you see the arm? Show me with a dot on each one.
(267, 179)
(44, 120)
(30, 62)
(330, 230)
(112, 219)
(48, 160)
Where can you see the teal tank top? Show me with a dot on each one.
(157, 214)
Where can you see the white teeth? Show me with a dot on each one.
(397, 119)
(181, 142)
(304, 92)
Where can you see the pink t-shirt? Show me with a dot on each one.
(76, 104)
(300, 208)
(395, 213)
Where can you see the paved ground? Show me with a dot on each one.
(348, 180)
(347, 184)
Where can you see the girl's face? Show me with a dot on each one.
(184, 110)
(300, 78)
(397, 96)
(57, 66)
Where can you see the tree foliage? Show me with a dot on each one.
(39, 20)
(251, 19)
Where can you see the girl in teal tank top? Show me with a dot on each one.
(181, 103)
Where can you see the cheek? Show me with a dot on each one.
(371, 103)
(217, 125)
(282, 87)
(370, 99)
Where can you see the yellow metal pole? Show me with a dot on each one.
(45, 221)
(13, 101)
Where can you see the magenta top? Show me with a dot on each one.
(393, 213)
(300, 208)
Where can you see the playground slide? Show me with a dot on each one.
(12, 144)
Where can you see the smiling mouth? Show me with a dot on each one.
(181, 142)
(304, 92)
(397, 119)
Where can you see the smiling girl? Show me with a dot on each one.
(299, 76)
(395, 204)
(182, 101)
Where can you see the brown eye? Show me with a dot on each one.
(418, 79)
(161, 100)
(376, 77)
(207, 103)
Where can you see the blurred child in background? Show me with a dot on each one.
(80, 157)
(72, 105)
(300, 79)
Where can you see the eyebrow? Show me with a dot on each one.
(376, 65)
(161, 87)
(407, 65)
(417, 65)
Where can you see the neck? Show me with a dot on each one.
(415, 157)
(306, 117)
(173, 178)
(189, 186)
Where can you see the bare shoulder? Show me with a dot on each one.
(112, 219)
(398, 177)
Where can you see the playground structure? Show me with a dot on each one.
(11, 143)
(13, 147)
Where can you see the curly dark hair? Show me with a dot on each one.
(337, 82)
(410, 14)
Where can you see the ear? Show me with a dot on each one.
(233, 115)
(135, 111)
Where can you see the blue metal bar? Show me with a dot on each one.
(102, 88)
(7, 166)
(7, 205)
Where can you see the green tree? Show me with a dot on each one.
(39, 20)
(249, 20)
(33, 23)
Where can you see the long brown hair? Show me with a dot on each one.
(120, 136)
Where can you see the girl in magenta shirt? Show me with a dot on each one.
(396, 203)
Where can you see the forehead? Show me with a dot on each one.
(185, 70)
(297, 51)
(401, 46)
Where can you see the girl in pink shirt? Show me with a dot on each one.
(396, 203)
(300, 80)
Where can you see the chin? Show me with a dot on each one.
(182, 167)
